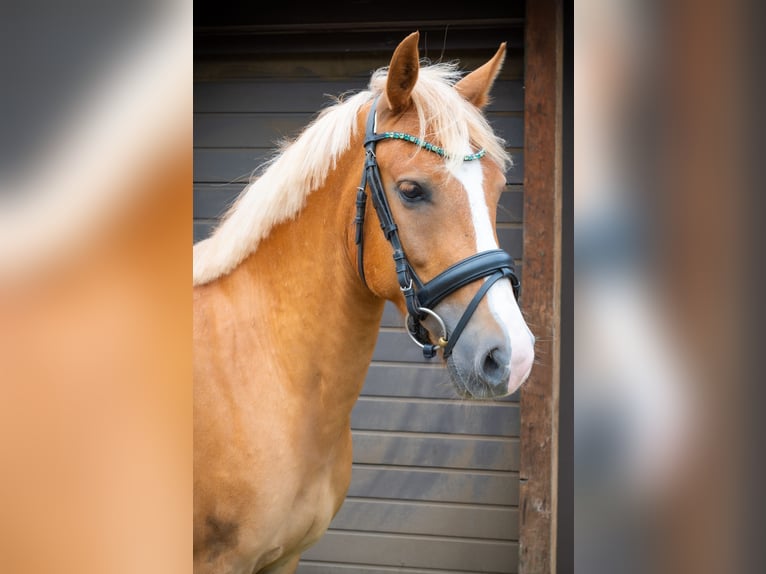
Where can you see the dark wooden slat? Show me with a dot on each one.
(202, 230)
(317, 65)
(512, 240)
(228, 165)
(267, 130)
(397, 346)
(391, 316)
(510, 208)
(276, 95)
(404, 380)
(312, 567)
(508, 127)
(309, 96)
(457, 417)
(439, 452)
(515, 174)
(247, 130)
(481, 39)
(507, 96)
(211, 201)
(416, 551)
(284, 17)
(428, 518)
(435, 486)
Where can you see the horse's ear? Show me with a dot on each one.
(475, 87)
(403, 73)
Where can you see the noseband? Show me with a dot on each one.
(421, 298)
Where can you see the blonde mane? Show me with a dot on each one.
(303, 165)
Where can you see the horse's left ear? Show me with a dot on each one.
(403, 73)
(475, 87)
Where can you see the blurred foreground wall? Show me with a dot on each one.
(95, 269)
(658, 219)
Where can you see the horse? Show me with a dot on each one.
(289, 292)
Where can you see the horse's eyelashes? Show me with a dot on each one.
(411, 191)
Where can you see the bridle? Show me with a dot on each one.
(421, 298)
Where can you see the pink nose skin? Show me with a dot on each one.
(498, 368)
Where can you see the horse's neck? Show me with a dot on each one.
(322, 322)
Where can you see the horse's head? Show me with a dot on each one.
(444, 203)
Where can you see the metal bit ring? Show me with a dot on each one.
(442, 342)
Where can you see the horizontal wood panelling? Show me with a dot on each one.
(212, 200)
(416, 551)
(269, 96)
(228, 165)
(512, 240)
(447, 451)
(312, 567)
(397, 346)
(437, 519)
(435, 485)
(510, 208)
(311, 95)
(202, 229)
(337, 19)
(515, 173)
(391, 316)
(430, 416)
(341, 66)
(405, 380)
(247, 130)
(354, 43)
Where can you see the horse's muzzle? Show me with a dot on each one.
(484, 367)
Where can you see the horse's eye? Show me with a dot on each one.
(410, 191)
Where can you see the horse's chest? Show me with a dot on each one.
(314, 512)
(311, 497)
(321, 494)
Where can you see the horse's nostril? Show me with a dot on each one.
(493, 366)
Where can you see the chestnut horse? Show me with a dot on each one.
(290, 288)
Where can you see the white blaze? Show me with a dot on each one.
(500, 299)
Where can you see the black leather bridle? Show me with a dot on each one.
(421, 298)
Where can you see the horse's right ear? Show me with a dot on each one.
(403, 73)
(475, 87)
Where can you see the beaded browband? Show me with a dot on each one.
(427, 146)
